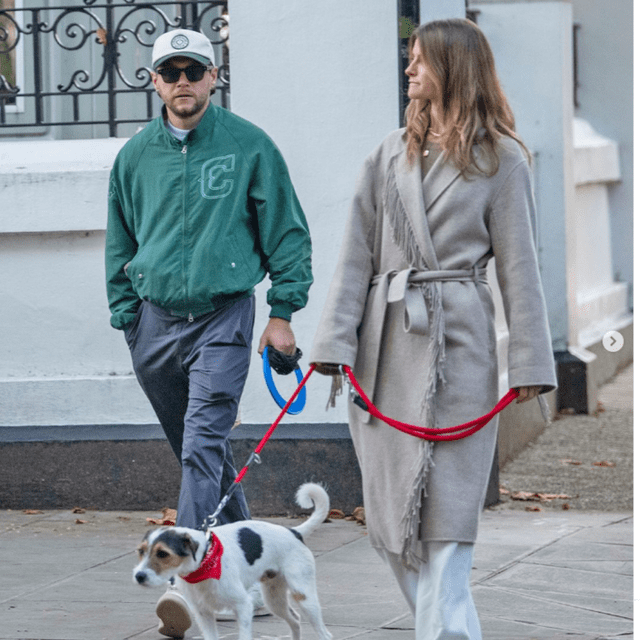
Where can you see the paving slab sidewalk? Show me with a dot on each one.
(546, 575)
(536, 576)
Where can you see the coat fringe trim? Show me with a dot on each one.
(412, 518)
(404, 237)
(545, 410)
(400, 223)
(336, 390)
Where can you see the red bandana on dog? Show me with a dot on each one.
(211, 565)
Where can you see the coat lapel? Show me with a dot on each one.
(442, 174)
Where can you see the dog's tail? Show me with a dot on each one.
(312, 495)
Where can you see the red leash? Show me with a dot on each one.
(450, 433)
(267, 435)
(211, 521)
(435, 435)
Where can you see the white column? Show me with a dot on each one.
(531, 42)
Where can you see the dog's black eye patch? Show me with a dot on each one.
(250, 543)
(179, 544)
(297, 534)
(160, 553)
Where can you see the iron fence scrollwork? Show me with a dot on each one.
(408, 20)
(111, 43)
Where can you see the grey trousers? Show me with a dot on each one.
(193, 373)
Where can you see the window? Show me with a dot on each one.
(86, 63)
(11, 59)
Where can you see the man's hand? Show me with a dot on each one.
(278, 335)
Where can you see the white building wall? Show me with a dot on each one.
(531, 42)
(605, 100)
(61, 363)
(321, 79)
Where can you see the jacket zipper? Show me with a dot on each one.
(184, 226)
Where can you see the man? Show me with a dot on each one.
(201, 208)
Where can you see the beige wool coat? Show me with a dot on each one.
(410, 310)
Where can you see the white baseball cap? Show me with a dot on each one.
(182, 42)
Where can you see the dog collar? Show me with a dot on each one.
(211, 566)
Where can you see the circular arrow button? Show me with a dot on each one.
(613, 341)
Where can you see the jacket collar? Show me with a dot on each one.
(203, 128)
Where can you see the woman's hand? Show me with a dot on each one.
(327, 368)
(527, 393)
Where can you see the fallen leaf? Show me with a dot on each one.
(545, 497)
(336, 514)
(78, 510)
(504, 491)
(528, 496)
(570, 461)
(168, 518)
(78, 521)
(101, 35)
(566, 506)
(533, 508)
(359, 515)
(32, 512)
(604, 463)
(522, 495)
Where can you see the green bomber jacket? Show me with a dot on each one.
(195, 225)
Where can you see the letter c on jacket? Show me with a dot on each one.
(212, 186)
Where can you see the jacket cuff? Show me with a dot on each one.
(122, 320)
(533, 377)
(282, 310)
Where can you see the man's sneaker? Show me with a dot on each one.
(173, 611)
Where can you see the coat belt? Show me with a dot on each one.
(416, 316)
(395, 286)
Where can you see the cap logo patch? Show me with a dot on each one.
(180, 42)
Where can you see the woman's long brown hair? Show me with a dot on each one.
(474, 107)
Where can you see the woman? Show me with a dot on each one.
(410, 310)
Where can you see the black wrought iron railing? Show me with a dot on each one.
(88, 63)
(408, 20)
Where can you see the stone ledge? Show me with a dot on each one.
(140, 472)
(37, 188)
(596, 158)
(145, 475)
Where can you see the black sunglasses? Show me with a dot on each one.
(194, 73)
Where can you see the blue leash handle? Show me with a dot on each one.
(298, 405)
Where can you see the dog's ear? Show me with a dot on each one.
(190, 545)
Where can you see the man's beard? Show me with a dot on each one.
(187, 112)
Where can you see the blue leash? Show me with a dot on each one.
(297, 406)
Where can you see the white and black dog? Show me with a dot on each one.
(216, 569)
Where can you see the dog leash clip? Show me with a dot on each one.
(254, 457)
(355, 397)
